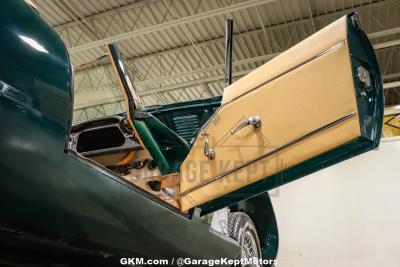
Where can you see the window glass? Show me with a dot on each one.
(155, 89)
(97, 92)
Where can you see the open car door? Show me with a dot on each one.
(314, 105)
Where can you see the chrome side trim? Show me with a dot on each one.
(287, 71)
(275, 150)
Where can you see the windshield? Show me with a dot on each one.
(163, 87)
(97, 91)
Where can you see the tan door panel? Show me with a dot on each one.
(309, 48)
(306, 101)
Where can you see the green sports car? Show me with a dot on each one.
(187, 180)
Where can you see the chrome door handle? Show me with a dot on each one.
(208, 152)
(254, 121)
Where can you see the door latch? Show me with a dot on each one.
(255, 122)
(208, 152)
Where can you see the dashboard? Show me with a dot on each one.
(110, 136)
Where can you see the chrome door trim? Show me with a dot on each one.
(275, 150)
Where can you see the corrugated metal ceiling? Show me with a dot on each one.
(174, 61)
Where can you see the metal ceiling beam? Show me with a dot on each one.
(170, 24)
(220, 67)
(81, 23)
(393, 110)
(129, 6)
(205, 70)
(391, 76)
(153, 28)
(221, 39)
(384, 33)
(81, 20)
(391, 85)
(241, 73)
(99, 102)
(105, 13)
(205, 80)
(387, 44)
(201, 72)
(188, 84)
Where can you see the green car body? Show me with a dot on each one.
(60, 207)
(57, 206)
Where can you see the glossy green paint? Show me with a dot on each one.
(370, 101)
(31, 69)
(165, 146)
(54, 198)
(370, 110)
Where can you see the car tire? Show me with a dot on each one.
(242, 229)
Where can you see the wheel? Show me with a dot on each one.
(242, 229)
